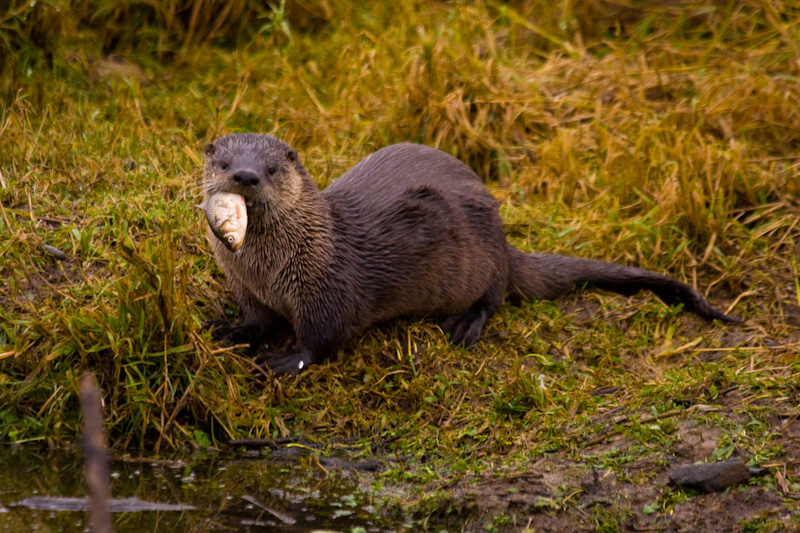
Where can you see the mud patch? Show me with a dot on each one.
(725, 512)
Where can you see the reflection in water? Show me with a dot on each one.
(204, 492)
(115, 505)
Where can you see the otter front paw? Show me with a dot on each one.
(226, 333)
(288, 362)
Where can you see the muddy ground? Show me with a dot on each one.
(564, 492)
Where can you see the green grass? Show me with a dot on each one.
(663, 137)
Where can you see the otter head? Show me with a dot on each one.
(263, 169)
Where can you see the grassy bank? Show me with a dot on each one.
(660, 137)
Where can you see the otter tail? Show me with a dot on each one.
(546, 277)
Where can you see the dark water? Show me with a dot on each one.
(228, 492)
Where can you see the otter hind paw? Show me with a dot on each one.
(465, 329)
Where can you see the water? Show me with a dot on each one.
(244, 492)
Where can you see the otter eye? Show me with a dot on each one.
(224, 165)
(272, 170)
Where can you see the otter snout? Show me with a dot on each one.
(246, 177)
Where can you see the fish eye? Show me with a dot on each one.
(230, 239)
(224, 165)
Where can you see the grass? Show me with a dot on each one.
(664, 137)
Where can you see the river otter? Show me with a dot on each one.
(408, 231)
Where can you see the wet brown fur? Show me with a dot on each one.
(408, 231)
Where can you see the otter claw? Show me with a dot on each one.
(289, 362)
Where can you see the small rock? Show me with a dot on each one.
(712, 477)
(759, 472)
(55, 252)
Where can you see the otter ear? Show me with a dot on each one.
(291, 155)
(210, 149)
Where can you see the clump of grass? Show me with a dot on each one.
(657, 136)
